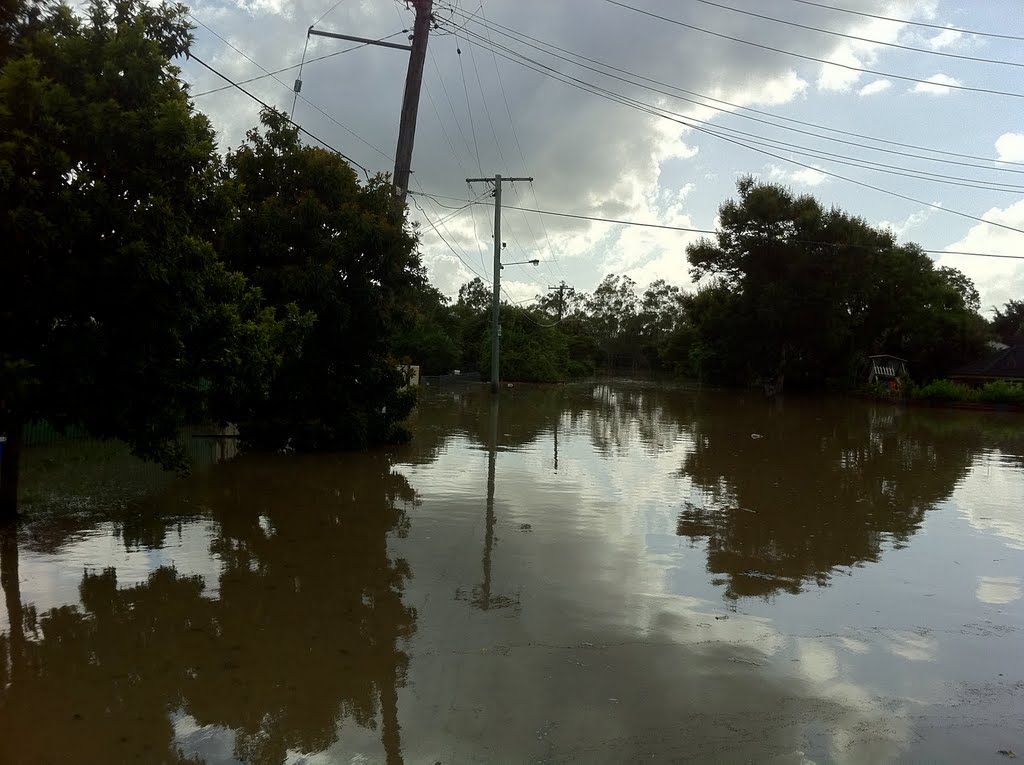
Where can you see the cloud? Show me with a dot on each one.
(872, 88)
(806, 176)
(909, 223)
(945, 39)
(1010, 147)
(937, 85)
(590, 155)
(997, 280)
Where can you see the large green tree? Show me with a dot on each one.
(804, 293)
(1008, 322)
(115, 311)
(308, 233)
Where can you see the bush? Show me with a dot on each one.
(1000, 392)
(997, 392)
(942, 390)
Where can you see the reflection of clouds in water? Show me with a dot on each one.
(910, 646)
(608, 514)
(989, 497)
(863, 730)
(51, 580)
(854, 646)
(999, 590)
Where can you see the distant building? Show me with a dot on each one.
(1006, 364)
(886, 370)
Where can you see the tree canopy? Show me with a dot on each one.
(116, 311)
(305, 231)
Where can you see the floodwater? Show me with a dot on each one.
(611, 572)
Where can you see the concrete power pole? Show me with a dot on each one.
(496, 299)
(411, 100)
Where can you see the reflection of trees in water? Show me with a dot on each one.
(624, 416)
(826, 486)
(304, 632)
(616, 416)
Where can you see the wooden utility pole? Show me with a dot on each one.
(560, 289)
(496, 299)
(411, 100)
(413, 82)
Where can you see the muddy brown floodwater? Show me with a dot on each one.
(614, 572)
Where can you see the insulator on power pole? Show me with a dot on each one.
(298, 86)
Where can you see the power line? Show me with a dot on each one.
(708, 232)
(907, 21)
(808, 27)
(283, 84)
(738, 109)
(451, 104)
(325, 13)
(265, 105)
(519, 146)
(441, 237)
(469, 109)
(284, 69)
(887, 168)
(647, 108)
(804, 56)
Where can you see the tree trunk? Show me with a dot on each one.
(9, 469)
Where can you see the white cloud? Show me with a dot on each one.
(878, 86)
(1010, 147)
(774, 92)
(805, 176)
(909, 223)
(937, 85)
(852, 55)
(997, 280)
(945, 39)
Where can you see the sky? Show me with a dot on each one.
(925, 143)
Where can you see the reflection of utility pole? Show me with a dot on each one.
(492, 452)
(556, 440)
(12, 598)
(496, 295)
(413, 80)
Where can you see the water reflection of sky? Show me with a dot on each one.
(859, 616)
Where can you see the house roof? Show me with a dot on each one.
(1004, 364)
(887, 356)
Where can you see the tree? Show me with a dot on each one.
(430, 338)
(1009, 323)
(613, 317)
(115, 311)
(304, 230)
(807, 292)
(663, 322)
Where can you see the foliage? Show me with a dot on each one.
(1001, 392)
(303, 229)
(802, 293)
(995, 392)
(1008, 323)
(530, 352)
(941, 390)
(115, 311)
